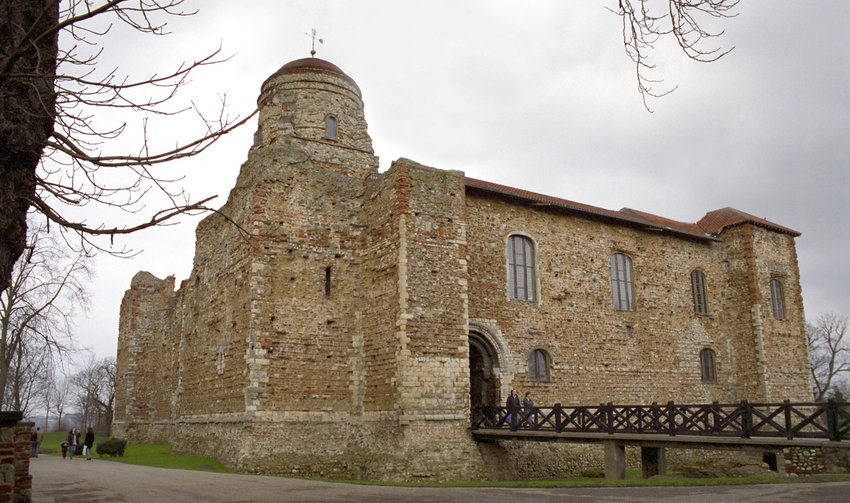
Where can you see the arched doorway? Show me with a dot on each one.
(484, 382)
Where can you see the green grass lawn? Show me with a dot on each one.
(145, 454)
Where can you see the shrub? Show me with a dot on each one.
(111, 447)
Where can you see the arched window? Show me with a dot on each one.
(700, 292)
(330, 128)
(622, 286)
(538, 366)
(707, 370)
(777, 299)
(521, 275)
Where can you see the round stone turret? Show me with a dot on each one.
(312, 103)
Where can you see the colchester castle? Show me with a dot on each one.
(338, 318)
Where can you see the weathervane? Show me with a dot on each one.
(313, 47)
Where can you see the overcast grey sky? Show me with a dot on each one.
(541, 96)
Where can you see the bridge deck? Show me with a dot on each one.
(656, 440)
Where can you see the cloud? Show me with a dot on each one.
(544, 98)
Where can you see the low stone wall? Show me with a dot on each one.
(371, 450)
(15, 449)
(804, 461)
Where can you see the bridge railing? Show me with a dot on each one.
(828, 420)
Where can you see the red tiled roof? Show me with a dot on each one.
(716, 221)
(706, 229)
(625, 216)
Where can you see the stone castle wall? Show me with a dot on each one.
(324, 328)
(651, 354)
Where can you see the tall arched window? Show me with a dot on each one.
(622, 286)
(700, 292)
(777, 299)
(521, 264)
(330, 128)
(707, 370)
(538, 366)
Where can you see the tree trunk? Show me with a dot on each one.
(27, 112)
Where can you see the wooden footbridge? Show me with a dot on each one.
(656, 427)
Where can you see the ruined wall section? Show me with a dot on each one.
(783, 339)
(214, 315)
(432, 279)
(740, 304)
(306, 284)
(147, 363)
(770, 355)
(600, 354)
(375, 342)
(432, 326)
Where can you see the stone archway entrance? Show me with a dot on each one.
(484, 382)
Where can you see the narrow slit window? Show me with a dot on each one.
(327, 281)
(330, 128)
(708, 371)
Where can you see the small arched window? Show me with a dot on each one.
(622, 286)
(330, 128)
(522, 279)
(707, 369)
(700, 292)
(538, 366)
(777, 299)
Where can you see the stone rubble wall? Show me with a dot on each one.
(647, 355)
(324, 328)
(15, 449)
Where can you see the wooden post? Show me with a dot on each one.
(789, 429)
(671, 418)
(832, 420)
(556, 411)
(746, 419)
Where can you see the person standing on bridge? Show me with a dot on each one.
(513, 409)
(528, 405)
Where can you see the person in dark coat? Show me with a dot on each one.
(513, 409)
(73, 440)
(89, 442)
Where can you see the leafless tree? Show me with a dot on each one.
(36, 309)
(62, 392)
(646, 22)
(27, 375)
(829, 351)
(48, 392)
(94, 386)
(55, 149)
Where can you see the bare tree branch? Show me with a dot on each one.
(57, 147)
(35, 311)
(829, 351)
(645, 22)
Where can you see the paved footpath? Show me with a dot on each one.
(57, 481)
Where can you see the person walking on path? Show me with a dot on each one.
(39, 436)
(73, 437)
(89, 442)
